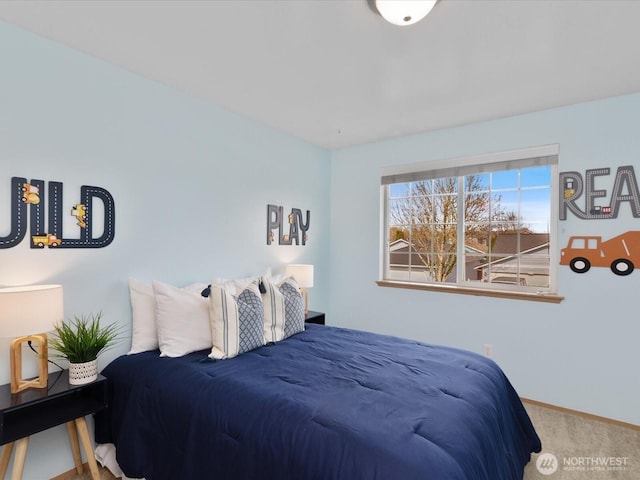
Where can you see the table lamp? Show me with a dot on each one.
(303, 275)
(24, 311)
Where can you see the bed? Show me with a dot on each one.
(325, 403)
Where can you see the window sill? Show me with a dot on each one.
(482, 292)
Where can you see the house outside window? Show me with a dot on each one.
(484, 223)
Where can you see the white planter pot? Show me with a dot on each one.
(81, 373)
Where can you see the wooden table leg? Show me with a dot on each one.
(18, 460)
(75, 446)
(81, 424)
(7, 450)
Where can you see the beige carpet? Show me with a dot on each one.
(579, 448)
(576, 447)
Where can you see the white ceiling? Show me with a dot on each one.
(334, 73)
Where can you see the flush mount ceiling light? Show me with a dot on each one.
(403, 12)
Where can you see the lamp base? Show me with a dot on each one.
(305, 294)
(18, 384)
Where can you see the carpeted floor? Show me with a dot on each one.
(578, 448)
(575, 447)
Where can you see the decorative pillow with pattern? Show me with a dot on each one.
(237, 322)
(283, 309)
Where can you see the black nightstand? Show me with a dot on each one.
(37, 409)
(314, 317)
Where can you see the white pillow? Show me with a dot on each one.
(144, 334)
(182, 319)
(283, 309)
(237, 322)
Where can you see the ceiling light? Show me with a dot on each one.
(404, 12)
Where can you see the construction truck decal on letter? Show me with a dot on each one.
(48, 240)
(621, 254)
(80, 212)
(30, 194)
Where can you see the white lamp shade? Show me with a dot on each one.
(404, 12)
(30, 309)
(303, 274)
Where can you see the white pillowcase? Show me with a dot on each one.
(144, 334)
(182, 320)
(283, 309)
(237, 321)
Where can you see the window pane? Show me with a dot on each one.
(422, 238)
(443, 267)
(536, 207)
(400, 211)
(398, 234)
(506, 205)
(477, 208)
(504, 179)
(477, 238)
(399, 190)
(447, 185)
(445, 209)
(421, 188)
(477, 183)
(398, 266)
(473, 262)
(535, 177)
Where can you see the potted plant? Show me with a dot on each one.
(80, 341)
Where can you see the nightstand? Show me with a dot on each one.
(314, 317)
(34, 410)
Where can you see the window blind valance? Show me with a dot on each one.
(534, 157)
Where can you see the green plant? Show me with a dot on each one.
(82, 339)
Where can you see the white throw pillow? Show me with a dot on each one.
(144, 334)
(182, 319)
(237, 321)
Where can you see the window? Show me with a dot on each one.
(484, 223)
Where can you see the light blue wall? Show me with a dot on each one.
(580, 354)
(191, 185)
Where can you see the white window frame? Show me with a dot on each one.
(458, 167)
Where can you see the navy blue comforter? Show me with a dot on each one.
(327, 403)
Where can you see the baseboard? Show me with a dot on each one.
(589, 416)
(70, 473)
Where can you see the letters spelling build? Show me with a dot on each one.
(29, 196)
(625, 189)
(275, 219)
